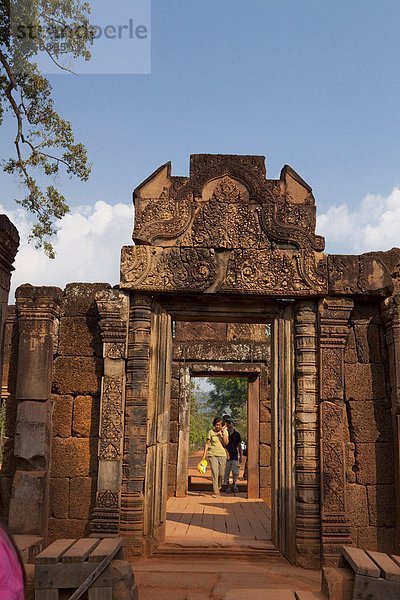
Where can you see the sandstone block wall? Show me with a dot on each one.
(77, 372)
(370, 460)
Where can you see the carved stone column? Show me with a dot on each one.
(308, 519)
(137, 392)
(113, 310)
(334, 316)
(38, 310)
(391, 317)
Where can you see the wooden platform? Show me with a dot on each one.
(201, 524)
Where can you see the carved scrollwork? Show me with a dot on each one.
(107, 499)
(111, 419)
(165, 217)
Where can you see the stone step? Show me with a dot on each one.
(259, 594)
(311, 596)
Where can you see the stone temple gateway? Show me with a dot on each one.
(99, 377)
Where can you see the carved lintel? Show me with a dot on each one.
(38, 303)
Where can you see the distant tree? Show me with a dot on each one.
(44, 142)
(228, 396)
(200, 420)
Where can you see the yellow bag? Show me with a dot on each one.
(202, 466)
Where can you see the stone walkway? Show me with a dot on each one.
(226, 518)
(222, 579)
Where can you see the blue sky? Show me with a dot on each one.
(314, 84)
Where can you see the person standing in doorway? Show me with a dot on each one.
(235, 456)
(214, 449)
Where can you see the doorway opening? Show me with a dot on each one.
(225, 397)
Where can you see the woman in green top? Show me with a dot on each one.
(217, 439)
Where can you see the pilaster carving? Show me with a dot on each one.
(334, 316)
(137, 391)
(113, 310)
(307, 444)
(390, 309)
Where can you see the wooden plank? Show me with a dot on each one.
(195, 526)
(106, 547)
(367, 588)
(359, 561)
(100, 593)
(46, 595)
(180, 507)
(389, 569)
(100, 568)
(79, 552)
(67, 575)
(53, 553)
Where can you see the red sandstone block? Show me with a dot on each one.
(382, 505)
(73, 375)
(381, 539)
(375, 463)
(265, 433)
(357, 504)
(73, 457)
(370, 422)
(80, 336)
(66, 528)
(265, 455)
(59, 497)
(197, 332)
(365, 381)
(79, 298)
(265, 477)
(81, 497)
(62, 415)
(174, 431)
(85, 421)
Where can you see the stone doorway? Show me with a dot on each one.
(202, 413)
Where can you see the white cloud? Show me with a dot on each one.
(87, 244)
(373, 225)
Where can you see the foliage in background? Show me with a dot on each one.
(200, 418)
(228, 396)
(44, 141)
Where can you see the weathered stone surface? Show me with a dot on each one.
(62, 415)
(374, 463)
(382, 505)
(265, 477)
(174, 409)
(350, 462)
(174, 431)
(32, 434)
(338, 584)
(59, 497)
(73, 457)
(247, 332)
(85, 416)
(123, 581)
(364, 274)
(350, 351)
(368, 342)
(265, 455)
(173, 453)
(381, 539)
(370, 422)
(28, 503)
(73, 375)
(210, 351)
(265, 412)
(79, 298)
(81, 497)
(265, 433)
(365, 382)
(9, 459)
(80, 336)
(357, 505)
(195, 332)
(66, 528)
(174, 389)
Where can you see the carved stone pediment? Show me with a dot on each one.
(228, 229)
(225, 229)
